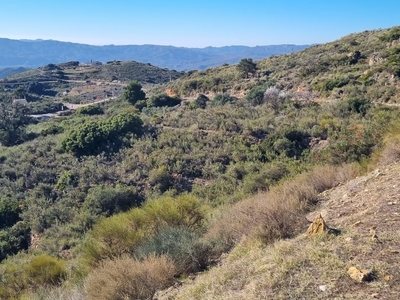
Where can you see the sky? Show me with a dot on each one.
(194, 23)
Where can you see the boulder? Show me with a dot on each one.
(318, 226)
(360, 275)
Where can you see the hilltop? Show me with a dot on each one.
(34, 53)
(77, 82)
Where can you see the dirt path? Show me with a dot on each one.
(73, 106)
(69, 107)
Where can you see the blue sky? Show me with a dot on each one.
(194, 23)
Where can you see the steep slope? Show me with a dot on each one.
(34, 53)
(366, 210)
(366, 65)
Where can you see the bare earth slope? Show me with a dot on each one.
(367, 212)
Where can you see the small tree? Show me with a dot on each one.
(133, 92)
(247, 66)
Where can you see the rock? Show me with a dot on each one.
(388, 277)
(323, 287)
(318, 226)
(360, 275)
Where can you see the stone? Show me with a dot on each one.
(323, 287)
(318, 226)
(360, 275)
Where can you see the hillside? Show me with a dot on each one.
(34, 53)
(132, 193)
(363, 65)
(366, 211)
(83, 82)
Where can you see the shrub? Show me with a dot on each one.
(222, 99)
(355, 106)
(337, 82)
(45, 270)
(126, 278)
(94, 137)
(246, 66)
(259, 181)
(52, 129)
(277, 213)
(178, 243)
(122, 233)
(164, 100)
(14, 239)
(293, 143)
(393, 61)
(200, 102)
(256, 95)
(392, 35)
(91, 110)
(13, 122)
(9, 212)
(106, 200)
(160, 179)
(133, 92)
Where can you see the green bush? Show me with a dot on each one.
(392, 35)
(94, 137)
(178, 243)
(122, 233)
(163, 100)
(246, 66)
(222, 99)
(133, 93)
(13, 121)
(256, 95)
(52, 130)
(337, 82)
(200, 102)
(45, 270)
(354, 106)
(106, 200)
(91, 110)
(14, 239)
(393, 61)
(160, 179)
(262, 180)
(9, 212)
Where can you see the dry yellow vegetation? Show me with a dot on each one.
(366, 210)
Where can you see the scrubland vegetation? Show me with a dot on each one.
(117, 201)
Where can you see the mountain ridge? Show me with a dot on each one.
(35, 53)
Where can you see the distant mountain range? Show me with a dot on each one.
(35, 53)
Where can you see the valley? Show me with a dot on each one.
(123, 180)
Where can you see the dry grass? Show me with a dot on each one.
(391, 152)
(278, 213)
(316, 268)
(126, 278)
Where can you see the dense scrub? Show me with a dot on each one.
(103, 188)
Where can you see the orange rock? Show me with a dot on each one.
(318, 226)
(360, 275)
